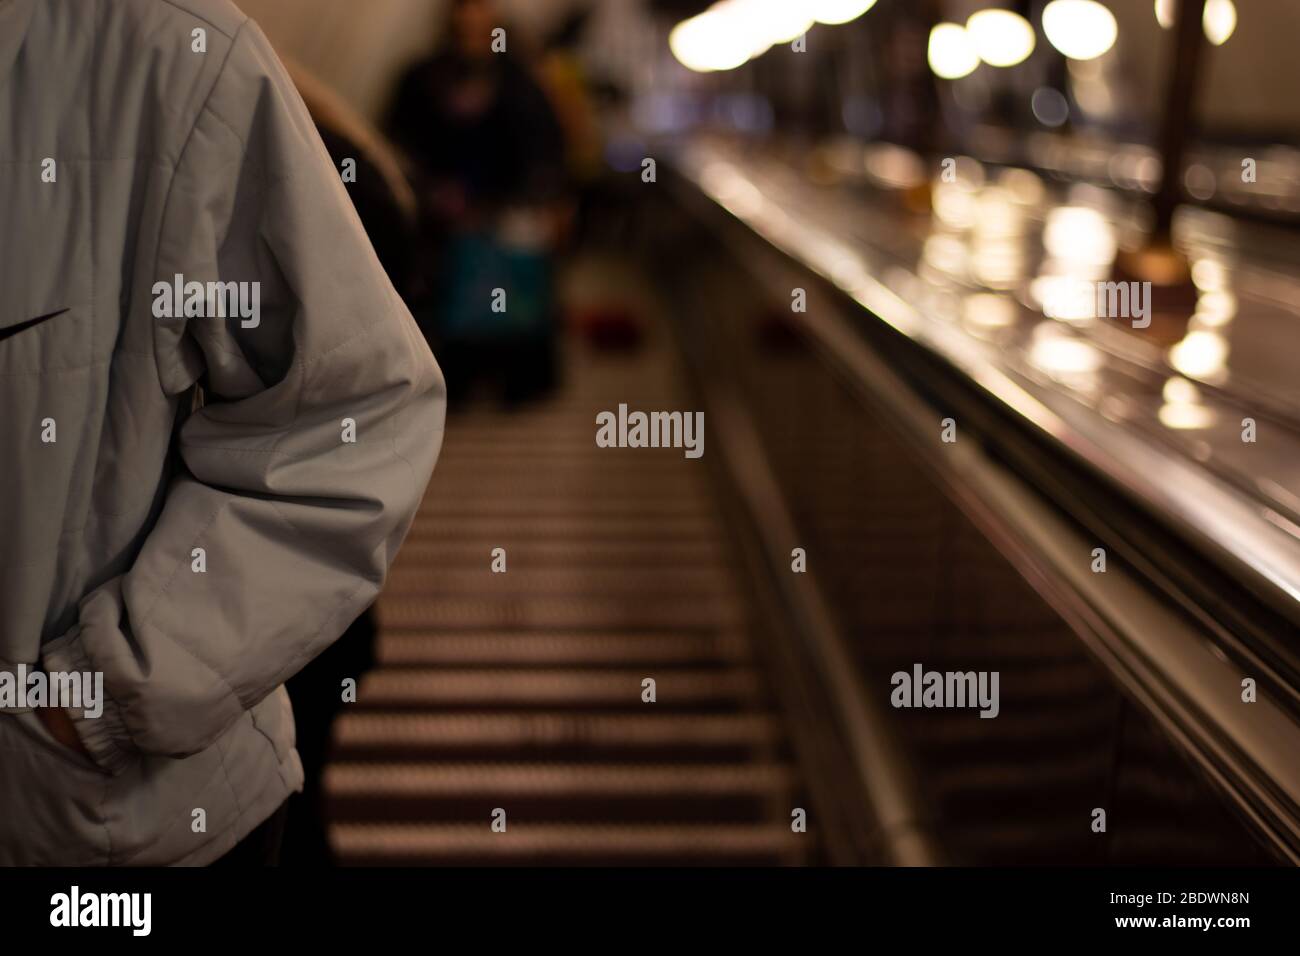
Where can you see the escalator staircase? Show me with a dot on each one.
(517, 697)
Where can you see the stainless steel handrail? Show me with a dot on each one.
(1242, 533)
(1167, 661)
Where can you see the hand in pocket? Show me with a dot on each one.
(61, 727)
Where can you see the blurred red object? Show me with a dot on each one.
(612, 327)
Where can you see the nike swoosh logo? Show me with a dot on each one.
(23, 326)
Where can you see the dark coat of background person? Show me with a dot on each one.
(510, 151)
(471, 164)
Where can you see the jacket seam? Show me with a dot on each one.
(202, 19)
(160, 837)
(188, 649)
(162, 592)
(304, 654)
(234, 794)
(270, 741)
(180, 158)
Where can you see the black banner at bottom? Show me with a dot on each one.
(571, 906)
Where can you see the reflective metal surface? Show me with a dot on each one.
(941, 555)
(1158, 409)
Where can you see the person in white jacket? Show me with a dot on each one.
(199, 491)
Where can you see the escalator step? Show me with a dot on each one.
(406, 579)
(559, 844)
(587, 612)
(554, 735)
(523, 690)
(442, 688)
(551, 648)
(468, 485)
(576, 506)
(473, 551)
(647, 530)
(555, 792)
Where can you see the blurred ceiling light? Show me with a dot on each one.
(1199, 181)
(1023, 185)
(989, 310)
(946, 253)
(1001, 38)
(777, 21)
(953, 205)
(835, 12)
(1202, 355)
(894, 166)
(952, 52)
(1064, 297)
(998, 215)
(707, 42)
(1209, 275)
(1149, 169)
(1219, 20)
(1050, 107)
(1070, 360)
(732, 32)
(1081, 235)
(748, 25)
(998, 263)
(1081, 29)
(1186, 417)
(1215, 309)
(1182, 407)
(1179, 391)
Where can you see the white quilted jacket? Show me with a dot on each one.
(173, 160)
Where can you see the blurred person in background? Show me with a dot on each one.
(566, 83)
(489, 160)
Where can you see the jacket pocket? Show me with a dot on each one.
(51, 802)
(41, 737)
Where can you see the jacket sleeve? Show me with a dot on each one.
(301, 473)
